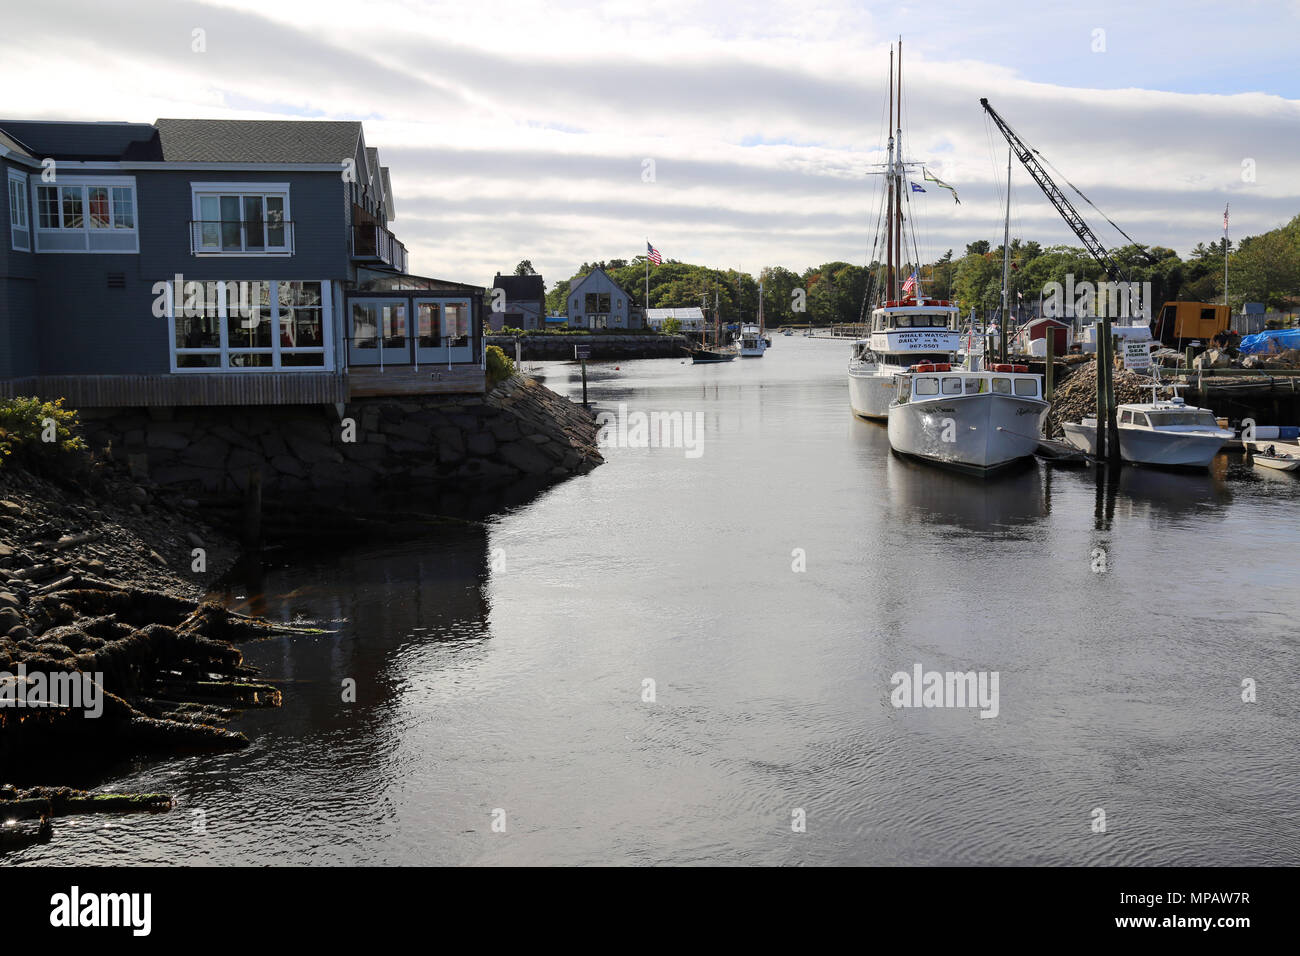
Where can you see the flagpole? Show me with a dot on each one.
(647, 281)
(1225, 253)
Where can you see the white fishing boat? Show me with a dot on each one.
(975, 422)
(907, 327)
(1169, 433)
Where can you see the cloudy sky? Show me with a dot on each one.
(530, 130)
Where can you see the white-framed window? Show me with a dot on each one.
(20, 226)
(241, 219)
(249, 325)
(87, 214)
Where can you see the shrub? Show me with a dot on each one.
(499, 366)
(36, 433)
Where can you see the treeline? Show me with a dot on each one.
(1263, 268)
(832, 292)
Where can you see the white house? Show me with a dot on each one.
(596, 301)
(690, 319)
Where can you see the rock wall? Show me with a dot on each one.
(519, 431)
(542, 347)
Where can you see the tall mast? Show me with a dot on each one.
(1006, 250)
(898, 175)
(889, 216)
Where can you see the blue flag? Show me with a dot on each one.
(917, 188)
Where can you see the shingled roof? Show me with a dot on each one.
(521, 288)
(257, 141)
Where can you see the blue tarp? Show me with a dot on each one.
(1275, 340)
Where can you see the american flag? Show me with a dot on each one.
(653, 253)
(1225, 217)
(910, 284)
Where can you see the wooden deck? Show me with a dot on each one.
(122, 391)
(261, 388)
(370, 381)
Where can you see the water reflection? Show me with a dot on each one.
(926, 495)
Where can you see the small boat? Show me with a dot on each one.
(1055, 452)
(710, 355)
(1168, 433)
(974, 422)
(751, 342)
(1271, 457)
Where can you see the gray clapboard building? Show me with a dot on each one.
(216, 262)
(596, 301)
(520, 304)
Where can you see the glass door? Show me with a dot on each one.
(378, 332)
(430, 345)
(457, 332)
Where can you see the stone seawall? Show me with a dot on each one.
(552, 347)
(520, 431)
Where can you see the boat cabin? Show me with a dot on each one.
(1167, 415)
(925, 382)
(906, 314)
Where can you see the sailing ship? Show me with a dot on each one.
(907, 328)
(706, 354)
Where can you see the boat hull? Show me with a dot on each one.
(1082, 437)
(870, 394)
(1276, 462)
(1142, 446)
(1168, 449)
(978, 434)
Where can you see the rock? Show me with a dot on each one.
(9, 619)
(9, 599)
(19, 633)
(481, 444)
(525, 457)
(194, 539)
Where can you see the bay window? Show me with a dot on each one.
(249, 325)
(84, 214)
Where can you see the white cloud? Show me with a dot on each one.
(519, 131)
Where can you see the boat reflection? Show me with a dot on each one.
(924, 494)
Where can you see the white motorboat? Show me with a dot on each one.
(751, 342)
(1169, 433)
(976, 422)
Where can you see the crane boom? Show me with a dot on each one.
(1055, 196)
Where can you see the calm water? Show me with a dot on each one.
(502, 665)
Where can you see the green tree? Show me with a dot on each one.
(525, 268)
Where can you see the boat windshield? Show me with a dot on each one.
(1200, 417)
